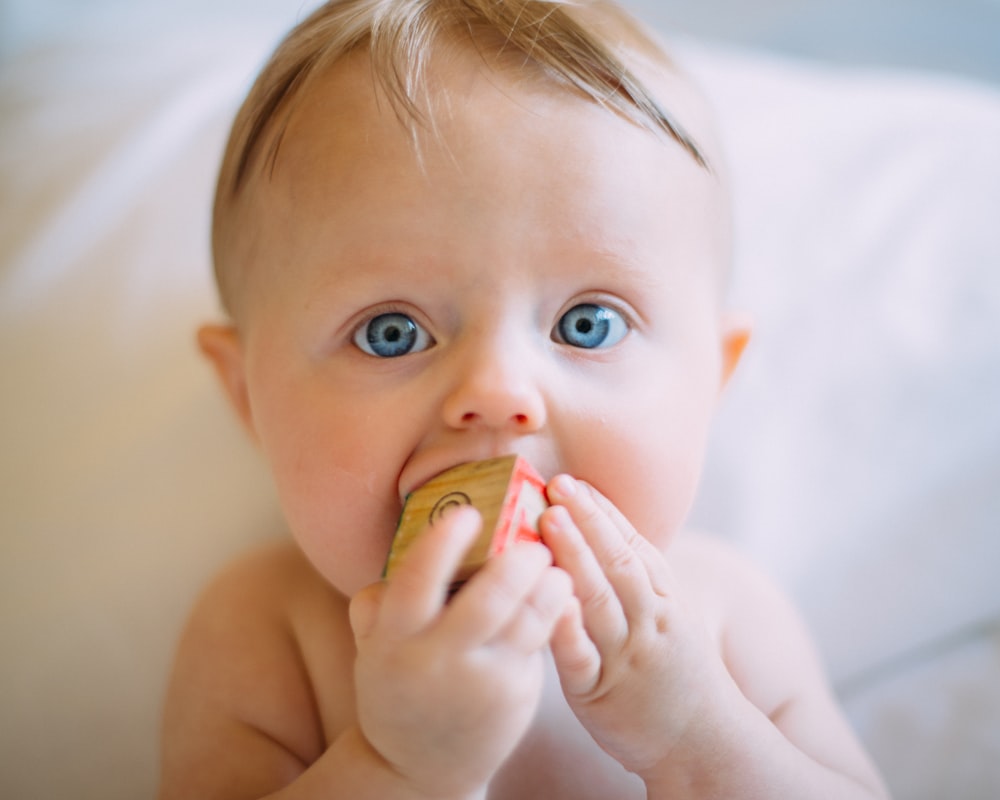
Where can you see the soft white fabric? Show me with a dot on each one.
(125, 482)
(857, 454)
(866, 425)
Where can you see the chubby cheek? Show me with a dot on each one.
(647, 460)
(342, 519)
(336, 475)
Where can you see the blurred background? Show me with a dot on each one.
(960, 36)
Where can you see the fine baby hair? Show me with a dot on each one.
(595, 49)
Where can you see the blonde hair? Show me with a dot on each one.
(570, 41)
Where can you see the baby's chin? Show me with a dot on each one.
(347, 572)
(350, 585)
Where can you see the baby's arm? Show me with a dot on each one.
(442, 693)
(240, 718)
(642, 673)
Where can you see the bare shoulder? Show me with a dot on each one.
(761, 635)
(242, 690)
(769, 652)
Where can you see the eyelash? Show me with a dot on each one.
(592, 317)
(408, 335)
(412, 337)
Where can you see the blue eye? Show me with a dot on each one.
(590, 326)
(391, 335)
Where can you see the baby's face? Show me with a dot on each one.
(543, 282)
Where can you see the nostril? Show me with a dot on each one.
(471, 417)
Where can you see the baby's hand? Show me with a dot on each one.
(446, 691)
(635, 665)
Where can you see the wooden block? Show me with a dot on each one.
(507, 491)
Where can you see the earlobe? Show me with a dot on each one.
(221, 345)
(736, 330)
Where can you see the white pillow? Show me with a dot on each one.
(125, 481)
(856, 456)
(859, 450)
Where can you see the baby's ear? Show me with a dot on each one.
(221, 345)
(735, 329)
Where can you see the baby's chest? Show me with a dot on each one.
(558, 759)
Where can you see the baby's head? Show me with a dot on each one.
(452, 229)
(591, 50)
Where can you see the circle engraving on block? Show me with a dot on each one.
(447, 503)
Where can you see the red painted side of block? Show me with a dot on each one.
(509, 529)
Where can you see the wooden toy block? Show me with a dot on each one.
(507, 491)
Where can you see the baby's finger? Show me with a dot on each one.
(603, 614)
(419, 586)
(532, 625)
(611, 540)
(491, 598)
(364, 609)
(576, 657)
(656, 565)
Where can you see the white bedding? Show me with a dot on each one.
(857, 454)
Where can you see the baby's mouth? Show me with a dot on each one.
(507, 491)
(427, 463)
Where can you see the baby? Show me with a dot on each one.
(448, 230)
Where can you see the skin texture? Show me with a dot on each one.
(623, 659)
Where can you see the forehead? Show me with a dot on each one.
(506, 147)
(469, 95)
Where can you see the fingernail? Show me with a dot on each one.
(564, 485)
(561, 519)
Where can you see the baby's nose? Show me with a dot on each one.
(494, 390)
